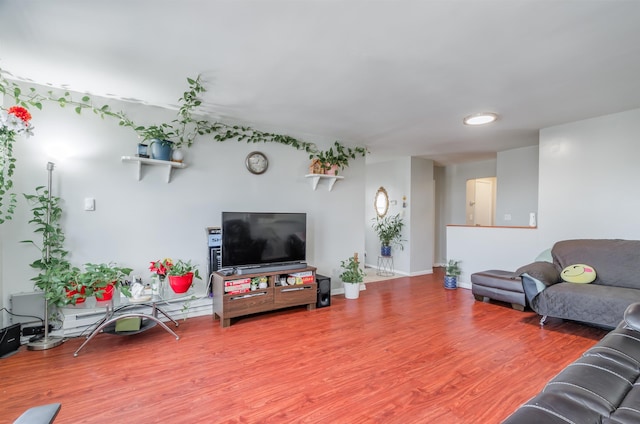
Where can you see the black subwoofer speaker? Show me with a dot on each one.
(324, 291)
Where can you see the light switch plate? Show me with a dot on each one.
(89, 204)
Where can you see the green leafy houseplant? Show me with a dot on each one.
(55, 273)
(180, 268)
(98, 277)
(185, 128)
(453, 268)
(389, 230)
(351, 271)
(337, 155)
(14, 121)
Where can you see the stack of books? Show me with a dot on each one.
(242, 285)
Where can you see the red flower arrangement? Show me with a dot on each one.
(13, 121)
(161, 267)
(20, 112)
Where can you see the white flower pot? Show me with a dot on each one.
(351, 290)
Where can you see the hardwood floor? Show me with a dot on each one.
(407, 351)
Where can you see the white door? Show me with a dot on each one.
(484, 203)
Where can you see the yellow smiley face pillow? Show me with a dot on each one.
(579, 273)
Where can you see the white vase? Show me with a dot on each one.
(351, 290)
(177, 155)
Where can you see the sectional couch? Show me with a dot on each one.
(601, 302)
(601, 387)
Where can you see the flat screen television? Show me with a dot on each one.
(263, 239)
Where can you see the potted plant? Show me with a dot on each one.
(389, 231)
(181, 273)
(451, 274)
(101, 280)
(179, 132)
(56, 276)
(337, 157)
(352, 275)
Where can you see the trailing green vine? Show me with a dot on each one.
(182, 131)
(13, 121)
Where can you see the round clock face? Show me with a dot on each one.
(257, 162)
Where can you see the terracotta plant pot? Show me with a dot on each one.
(181, 283)
(331, 169)
(105, 293)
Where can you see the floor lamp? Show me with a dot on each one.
(47, 341)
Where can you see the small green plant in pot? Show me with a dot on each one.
(181, 274)
(389, 231)
(100, 280)
(452, 272)
(352, 275)
(336, 157)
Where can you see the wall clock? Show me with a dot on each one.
(256, 163)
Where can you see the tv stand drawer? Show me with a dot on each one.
(299, 294)
(244, 304)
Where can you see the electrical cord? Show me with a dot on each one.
(22, 316)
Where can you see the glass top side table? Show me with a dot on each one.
(124, 310)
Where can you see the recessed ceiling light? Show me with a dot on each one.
(480, 118)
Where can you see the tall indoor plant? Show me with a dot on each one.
(389, 231)
(352, 275)
(55, 273)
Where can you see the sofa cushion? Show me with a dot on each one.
(578, 273)
(592, 303)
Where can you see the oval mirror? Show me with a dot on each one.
(381, 202)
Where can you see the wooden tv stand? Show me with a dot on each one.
(231, 305)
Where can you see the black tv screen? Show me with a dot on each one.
(262, 238)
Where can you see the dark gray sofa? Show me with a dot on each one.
(603, 386)
(602, 302)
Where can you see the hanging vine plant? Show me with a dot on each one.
(183, 130)
(13, 122)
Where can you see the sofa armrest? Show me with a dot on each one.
(632, 316)
(545, 272)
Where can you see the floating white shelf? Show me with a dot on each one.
(315, 179)
(154, 162)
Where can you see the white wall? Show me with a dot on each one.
(589, 178)
(440, 236)
(456, 177)
(420, 203)
(136, 222)
(395, 177)
(411, 178)
(485, 248)
(517, 179)
(588, 185)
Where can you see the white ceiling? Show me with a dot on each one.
(395, 76)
